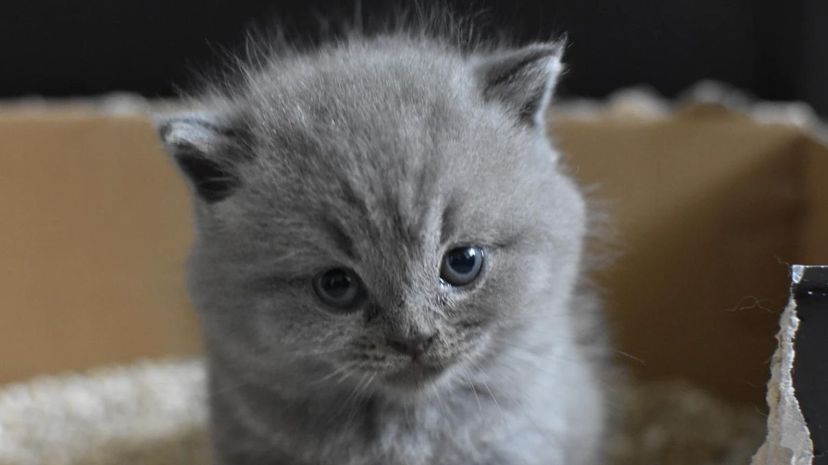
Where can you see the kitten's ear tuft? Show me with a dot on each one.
(206, 150)
(523, 79)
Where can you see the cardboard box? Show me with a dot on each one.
(708, 207)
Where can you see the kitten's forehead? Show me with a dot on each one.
(390, 145)
(363, 101)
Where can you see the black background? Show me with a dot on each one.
(776, 50)
(810, 374)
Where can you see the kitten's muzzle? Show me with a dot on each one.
(415, 346)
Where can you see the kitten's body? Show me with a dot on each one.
(379, 155)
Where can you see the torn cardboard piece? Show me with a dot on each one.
(796, 399)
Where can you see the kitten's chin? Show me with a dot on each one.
(414, 377)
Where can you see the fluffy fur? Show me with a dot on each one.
(379, 155)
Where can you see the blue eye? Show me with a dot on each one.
(461, 265)
(338, 288)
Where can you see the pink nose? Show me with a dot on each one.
(413, 346)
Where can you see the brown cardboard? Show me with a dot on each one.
(94, 232)
(708, 206)
(814, 245)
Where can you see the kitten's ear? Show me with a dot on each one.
(207, 150)
(523, 80)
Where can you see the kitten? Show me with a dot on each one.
(387, 258)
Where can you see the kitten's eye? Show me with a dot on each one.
(462, 265)
(339, 288)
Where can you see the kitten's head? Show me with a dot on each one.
(386, 211)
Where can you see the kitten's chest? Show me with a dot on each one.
(406, 437)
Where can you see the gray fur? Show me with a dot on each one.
(379, 155)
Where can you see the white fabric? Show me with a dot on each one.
(148, 413)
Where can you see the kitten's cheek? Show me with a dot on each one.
(476, 347)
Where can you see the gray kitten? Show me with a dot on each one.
(387, 260)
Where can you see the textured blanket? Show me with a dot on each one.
(153, 413)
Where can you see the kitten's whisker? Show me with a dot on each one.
(337, 371)
(346, 402)
(494, 398)
(524, 354)
(356, 395)
(443, 405)
(311, 352)
(534, 365)
(630, 356)
(470, 380)
(346, 374)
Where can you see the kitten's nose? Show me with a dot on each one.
(413, 346)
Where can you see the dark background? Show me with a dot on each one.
(775, 50)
